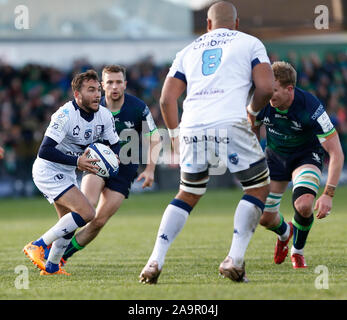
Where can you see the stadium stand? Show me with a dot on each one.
(30, 94)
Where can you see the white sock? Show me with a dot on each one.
(298, 251)
(58, 248)
(172, 222)
(285, 235)
(67, 224)
(246, 219)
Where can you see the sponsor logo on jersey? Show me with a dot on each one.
(277, 115)
(99, 130)
(275, 132)
(266, 122)
(87, 134)
(76, 131)
(74, 153)
(318, 112)
(325, 122)
(316, 157)
(55, 126)
(129, 124)
(297, 125)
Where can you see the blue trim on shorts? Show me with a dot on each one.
(255, 201)
(60, 194)
(181, 204)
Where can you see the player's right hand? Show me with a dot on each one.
(87, 164)
(2, 153)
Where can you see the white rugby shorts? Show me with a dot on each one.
(233, 146)
(51, 182)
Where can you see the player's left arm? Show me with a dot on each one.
(152, 158)
(154, 147)
(332, 146)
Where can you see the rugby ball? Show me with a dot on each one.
(108, 164)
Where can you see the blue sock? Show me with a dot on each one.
(40, 243)
(52, 267)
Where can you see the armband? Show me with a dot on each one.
(251, 112)
(174, 133)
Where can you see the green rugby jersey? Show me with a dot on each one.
(301, 127)
(133, 115)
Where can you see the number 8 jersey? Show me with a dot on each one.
(217, 68)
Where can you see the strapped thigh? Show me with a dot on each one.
(256, 176)
(195, 183)
(309, 178)
(273, 202)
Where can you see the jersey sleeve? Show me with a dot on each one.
(322, 125)
(59, 125)
(110, 133)
(258, 53)
(177, 70)
(148, 120)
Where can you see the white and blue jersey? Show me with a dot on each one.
(70, 131)
(217, 68)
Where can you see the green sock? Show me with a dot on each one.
(301, 231)
(72, 248)
(281, 228)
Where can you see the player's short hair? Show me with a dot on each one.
(284, 73)
(77, 81)
(114, 68)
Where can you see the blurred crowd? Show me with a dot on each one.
(30, 94)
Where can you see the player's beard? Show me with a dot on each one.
(120, 96)
(87, 104)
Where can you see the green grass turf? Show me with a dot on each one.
(109, 267)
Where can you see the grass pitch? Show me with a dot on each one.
(109, 267)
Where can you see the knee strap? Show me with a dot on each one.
(195, 183)
(299, 191)
(273, 202)
(299, 221)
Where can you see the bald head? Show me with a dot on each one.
(222, 14)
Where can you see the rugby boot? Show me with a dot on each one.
(150, 273)
(35, 254)
(298, 261)
(60, 271)
(281, 248)
(228, 270)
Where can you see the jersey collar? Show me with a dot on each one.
(88, 116)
